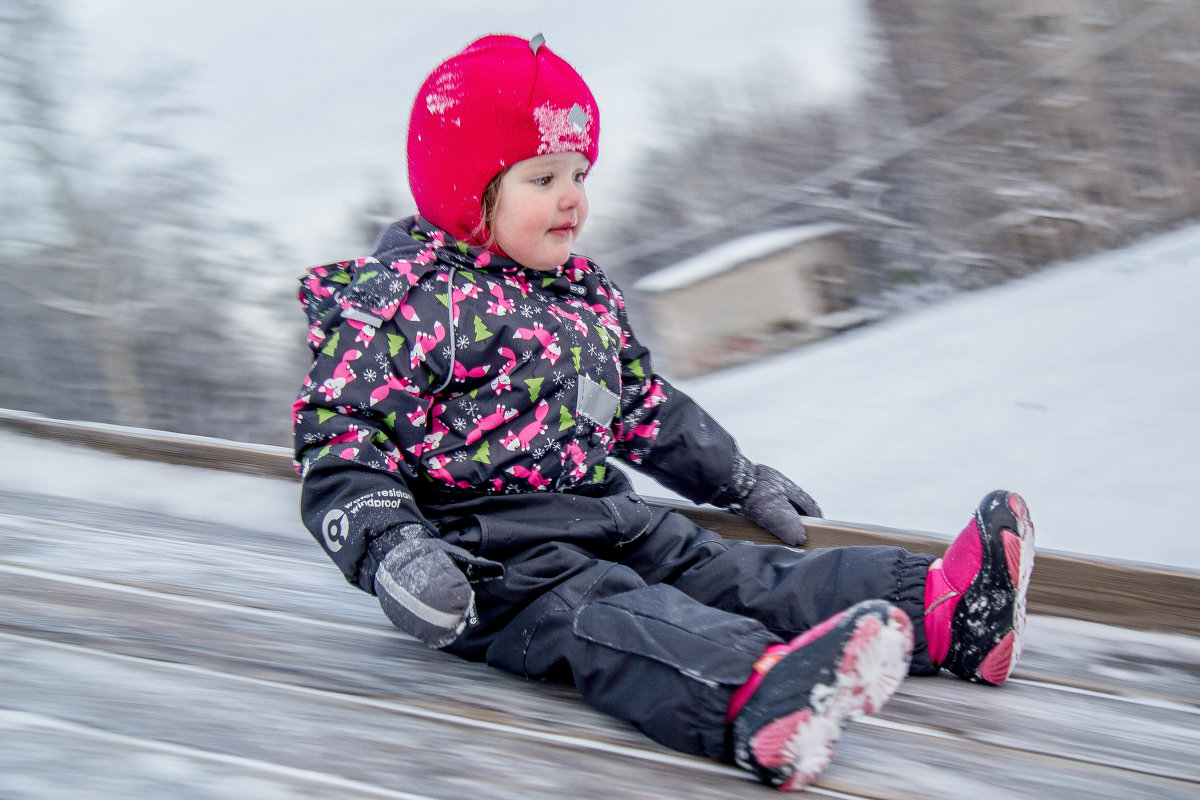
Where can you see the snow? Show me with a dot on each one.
(1076, 387)
(728, 255)
(64, 470)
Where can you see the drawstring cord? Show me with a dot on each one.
(449, 331)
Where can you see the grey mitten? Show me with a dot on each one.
(776, 504)
(421, 585)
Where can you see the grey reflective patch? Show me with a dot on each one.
(446, 620)
(358, 315)
(577, 117)
(595, 402)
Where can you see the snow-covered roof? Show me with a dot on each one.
(730, 254)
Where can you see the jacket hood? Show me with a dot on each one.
(365, 290)
(400, 237)
(370, 290)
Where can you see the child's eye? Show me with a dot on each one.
(544, 180)
(581, 176)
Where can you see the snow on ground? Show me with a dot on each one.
(1077, 387)
(64, 470)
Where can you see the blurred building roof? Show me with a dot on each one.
(731, 254)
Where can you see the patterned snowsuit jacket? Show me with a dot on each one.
(441, 371)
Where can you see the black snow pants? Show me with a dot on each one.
(655, 620)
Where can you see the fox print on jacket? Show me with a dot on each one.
(442, 371)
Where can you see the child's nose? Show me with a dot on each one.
(571, 197)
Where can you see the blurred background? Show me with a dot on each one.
(923, 249)
(169, 170)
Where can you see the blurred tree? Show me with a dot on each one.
(1048, 129)
(750, 153)
(379, 208)
(990, 138)
(126, 297)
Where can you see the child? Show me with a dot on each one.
(472, 382)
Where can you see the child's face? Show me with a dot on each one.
(541, 209)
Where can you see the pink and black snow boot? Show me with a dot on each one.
(975, 594)
(787, 716)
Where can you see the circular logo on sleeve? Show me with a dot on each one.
(335, 528)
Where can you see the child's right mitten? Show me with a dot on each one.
(421, 585)
(777, 504)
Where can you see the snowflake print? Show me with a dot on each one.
(459, 424)
(446, 352)
(526, 310)
(472, 409)
(369, 375)
(394, 286)
(381, 360)
(464, 342)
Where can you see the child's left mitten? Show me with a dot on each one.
(423, 589)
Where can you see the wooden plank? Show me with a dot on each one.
(1108, 592)
(1130, 734)
(243, 631)
(1091, 657)
(152, 445)
(944, 731)
(148, 654)
(368, 743)
(45, 757)
(1098, 590)
(289, 648)
(895, 763)
(286, 572)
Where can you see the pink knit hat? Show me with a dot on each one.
(501, 100)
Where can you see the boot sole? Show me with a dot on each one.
(874, 646)
(1018, 550)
